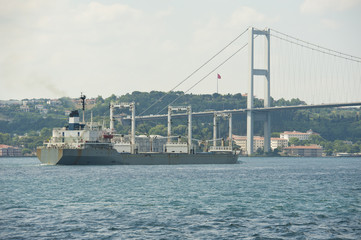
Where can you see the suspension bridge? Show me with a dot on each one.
(322, 77)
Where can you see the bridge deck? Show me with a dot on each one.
(269, 109)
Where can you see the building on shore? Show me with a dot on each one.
(9, 151)
(304, 151)
(54, 102)
(25, 108)
(278, 143)
(258, 142)
(300, 135)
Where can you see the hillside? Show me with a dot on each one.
(36, 118)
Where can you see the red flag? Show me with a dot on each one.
(218, 76)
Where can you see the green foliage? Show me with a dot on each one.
(275, 134)
(295, 141)
(333, 125)
(67, 103)
(26, 151)
(46, 132)
(122, 129)
(329, 147)
(22, 123)
(143, 129)
(99, 100)
(6, 139)
(259, 151)
(180, 130)
(158, 130)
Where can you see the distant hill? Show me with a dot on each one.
(331, 124)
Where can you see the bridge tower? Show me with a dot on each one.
(250, 96)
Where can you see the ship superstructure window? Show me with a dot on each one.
(78, 134)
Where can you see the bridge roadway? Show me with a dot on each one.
(268, 109)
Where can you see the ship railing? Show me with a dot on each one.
(76, 140)
(121, 142)
(64, 145)
(65, 142)
(220, 149)
(176, 143)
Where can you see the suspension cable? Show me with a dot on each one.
(316, 47)
(195, 71)
(205, 76)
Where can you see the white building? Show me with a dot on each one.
(24, 108)
(300, 135)
(54, 102)
(39, 107)
(278, 142)
(304, 151)
(258, 142)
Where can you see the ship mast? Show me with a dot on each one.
(83, 97)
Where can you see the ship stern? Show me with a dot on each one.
(50, 156)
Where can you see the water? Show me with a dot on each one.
(261, 198)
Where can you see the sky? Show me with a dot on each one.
(59, 48)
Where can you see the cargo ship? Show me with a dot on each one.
(81, 143)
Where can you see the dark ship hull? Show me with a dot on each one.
(109, 156)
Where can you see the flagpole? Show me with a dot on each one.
(217, 84)
(218, 77)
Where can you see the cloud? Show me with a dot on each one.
(214, 29)
(246, 16)
(100, 47)
(324, 6)
(98, 12)
(23, 7)
(44, 83)
(249, 17)
(330, 24)
(164, 13)
(239, 20)
(77, 45)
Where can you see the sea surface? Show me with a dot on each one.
(259, 198)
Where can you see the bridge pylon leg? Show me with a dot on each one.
(267, 94)
(249, 132)
(267, 132)
(250, 96)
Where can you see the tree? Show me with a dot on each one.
(340, 146)
(33, 133)
(110, 99)
(67, 102)
(353, 148)
(46, 132)
(316, 139)
(5, 138)
(26, 151)
(328, 152)
(331, 124)
(180, 130)
(143, 129)
(294, 141)
(158, 130)
(259, 151)
(99, 100)
(275, 134)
